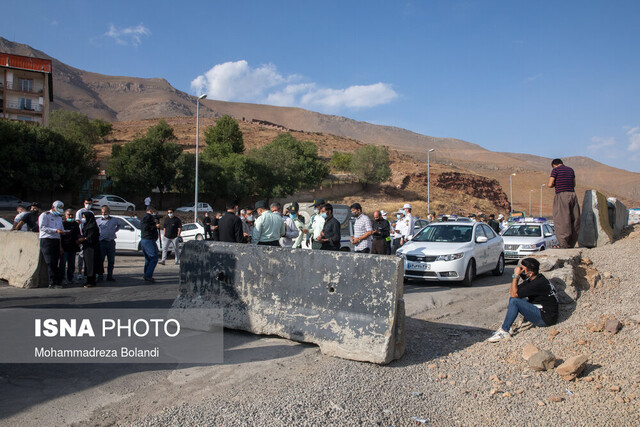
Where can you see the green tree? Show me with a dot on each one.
(223, 139)
(77, 127)
(36, 159)
(371, 164)
(186, 174)
(287, 165)
(341, 161)
(147, 162)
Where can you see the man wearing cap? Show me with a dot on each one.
(381, 243)
(504, 224)
(298, 222)
(397, 232)
(316, 224)
(269, 227)
(51, 227)
(330, 236)
(408, 223)
(362, 230)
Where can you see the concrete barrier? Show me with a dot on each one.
(620, 217)
(21, 263)
(595, 229)
(349, 304)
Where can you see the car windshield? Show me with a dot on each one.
(135, 222)
(523, 231)
(454, 233)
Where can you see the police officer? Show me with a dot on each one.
(51, 227)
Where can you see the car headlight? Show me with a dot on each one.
(450, 257)
(528, 246)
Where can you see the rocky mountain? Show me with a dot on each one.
(119, 98)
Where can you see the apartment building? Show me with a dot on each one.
(26, 88)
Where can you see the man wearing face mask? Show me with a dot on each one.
(230, 226)
(291, 230)
(108, 226)
(269, 227)
(380, 226)
(535, 298)
(70, 246)
(397, 232)
(171, 230)
(316, 224)
(80, 220)
(294, 214)
(330, 237)
(246, 216)
(51, 228)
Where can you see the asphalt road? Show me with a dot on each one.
(104, 394)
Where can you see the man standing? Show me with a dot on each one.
(494, 224)
(108, 226)
(362, 230)
(397, 232)
(70, 246)
(330, 237)
(566, 210)
(171, 229)
(30, 220)
(21, 214)
(269, 227)
(149, 233)
(504, 224)
(147, 202)
(299, 224)
(246, 216)
(316, 224)
(206, 223)
(230, 225)
(381, 230)
(50, 229)
(408, 223)
(291, 230)
(88, 202)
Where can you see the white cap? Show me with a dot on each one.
(383, 213)
(500, 216)
(58, 206)
(406, 206)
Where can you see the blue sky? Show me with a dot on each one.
(549, 78)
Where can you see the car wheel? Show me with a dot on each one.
(499, 270)
(129, 208)
(199, 237)
(470, 274)
(542, 249)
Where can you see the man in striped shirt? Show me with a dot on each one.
(566, 210)
(362, 230)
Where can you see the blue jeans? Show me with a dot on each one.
(108, 250)
(528, 310)
(68, 263)
(150, 251)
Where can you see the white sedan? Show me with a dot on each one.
(192, 231)
(129, 235)
(115, 203)
(453, 251)
(202, 207)
(5, 225)
(524, 239)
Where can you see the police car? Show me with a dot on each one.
(527, 236)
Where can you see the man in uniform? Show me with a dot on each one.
(291, 227)
(381, 230)
(269, 227)
(50, 228)
(408, 224)
(316, 224)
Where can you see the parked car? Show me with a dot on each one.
(202, 207)
(129, 236)
(115, 203)
(12, 202)
(5, 225)
(453, 251)
(525, 238)
(192, 231)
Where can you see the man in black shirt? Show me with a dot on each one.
(172, 228)
(330, 236)
(149, 234)
(381, 232)
(541, 304)
(494, 224)
(230, 225)
(206, 223)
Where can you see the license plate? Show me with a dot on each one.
(418, 266)
(511, 253)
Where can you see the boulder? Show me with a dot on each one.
(572, 367)
(612, 326)
(595, 228)
(563, 280)
(528, 351)
(542, 360)
(21, 262)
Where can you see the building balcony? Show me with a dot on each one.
(16, 87)
(24, 107)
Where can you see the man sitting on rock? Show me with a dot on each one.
(535, 298)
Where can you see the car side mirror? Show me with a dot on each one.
(481, 239)
(548, 234)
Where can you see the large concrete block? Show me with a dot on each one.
(21, 263)
(349, 304)
(595, 229)
(621, 218)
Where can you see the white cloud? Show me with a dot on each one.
(129, 35)
(238, 81)
(634, 141)
(630, 130)
(600, 142)
(532, 78)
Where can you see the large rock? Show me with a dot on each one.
(563, 280)
(621, 218)
(595, 229)
(349, 304)
(542, 360)
(572, 367)
(21, 263)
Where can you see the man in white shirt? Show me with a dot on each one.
(50, 223)
(408, 224)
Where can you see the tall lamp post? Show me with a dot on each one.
(195, 208)
(429, 182)
(541, 199)
(511, 193)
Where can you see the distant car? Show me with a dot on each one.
(129, 236)
(5, 225)
(12, 202)
(202, 207)
(115, 203)
(453, 251)
(192, 231)
(525, 238)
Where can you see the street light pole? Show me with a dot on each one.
(511, 193)
(195, 207)
(541, 199)
(429, 182)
